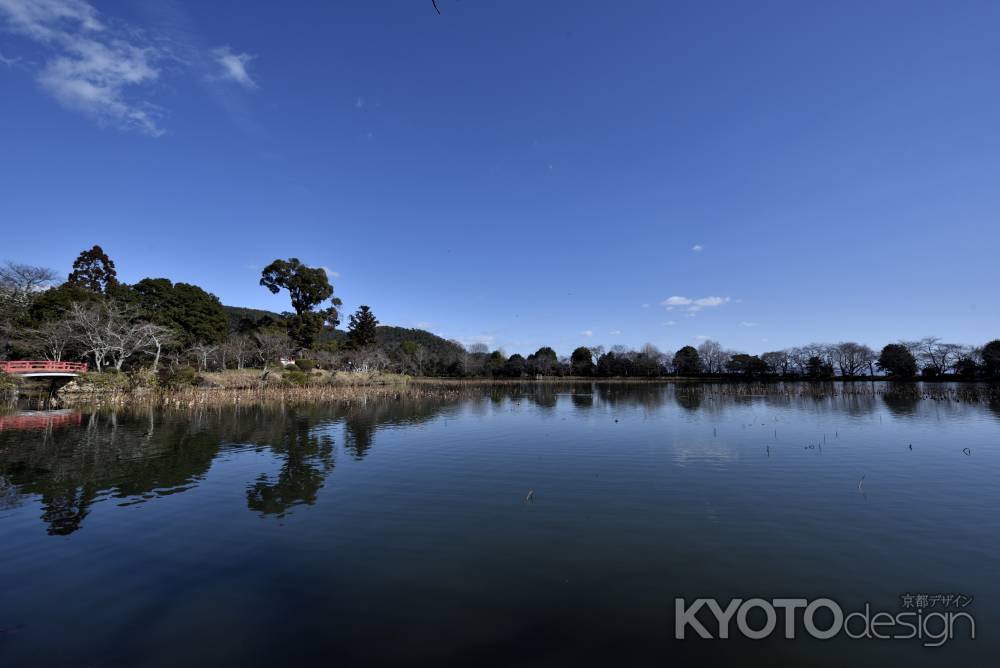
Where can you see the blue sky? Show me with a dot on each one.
(525, 174)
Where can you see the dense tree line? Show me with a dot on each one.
(93, 316)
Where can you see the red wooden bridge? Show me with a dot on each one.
(43, 368)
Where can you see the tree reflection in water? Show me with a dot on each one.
(138, 456)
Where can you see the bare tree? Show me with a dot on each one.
(713, 357)
(157, 337)
(111, 332)
(239, 347)
(53, 338)
(24, 279)
(852, 357)
(933, 354)
(201, 352)
(777, 362)
(19, 284)
(421, 357)
(92, 324)
(272, 346)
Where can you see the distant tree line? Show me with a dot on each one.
(155, 323)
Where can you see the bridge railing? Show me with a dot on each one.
(42, 366)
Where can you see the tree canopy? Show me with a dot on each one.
(897, 361)
(93, 270)
(687, 362)
(308, 287)
(196, 316)
(361, 331)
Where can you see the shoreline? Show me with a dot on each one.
(243, 388)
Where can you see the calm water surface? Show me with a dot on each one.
(397, 531)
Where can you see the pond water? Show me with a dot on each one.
(400, 530)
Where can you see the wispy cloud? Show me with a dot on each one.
(697, 248)
(645, 306)
(104, 68)
(615, 332)
(487, 339)
(330, 272)
(233, 66)
(587, 332)
(746, 323)
(9, 62)
(93, 67)
(669, 323)
(693, 305)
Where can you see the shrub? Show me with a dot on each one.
(306, 365)
(172, 377)
(296, 377)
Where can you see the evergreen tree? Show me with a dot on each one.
(991, 359)
(361, 330)
(687, 362)
(196, 316)
(93, 270)
(308, 287)
(897, 361)
(582, 362)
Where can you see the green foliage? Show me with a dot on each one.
(495, 364)
(991, 359)
(306, 365)
(897, 361)
(196, 316)
(514, 367)
(746, 365)
(296, 377)
(178, 376)
(543, 361)
(818, 369)
(966, 368)
(93, 270)
(582, 362)
(687, 362)
(53, 304)
(8, 386)
(308, 287)
(361, 332)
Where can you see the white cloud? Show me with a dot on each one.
(359, 103)
(234, 66)
(669, 323)
(423, 324)
(701, 337)
(9, 62)
(93, 66)
(587, 332)
(693, 305)
(330, 272)
(482, 338)
(645, 306)
(749, 324)
(616, 332)
(101, 67)
(697, 248)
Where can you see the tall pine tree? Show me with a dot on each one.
(361, 329)
(93, 270)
